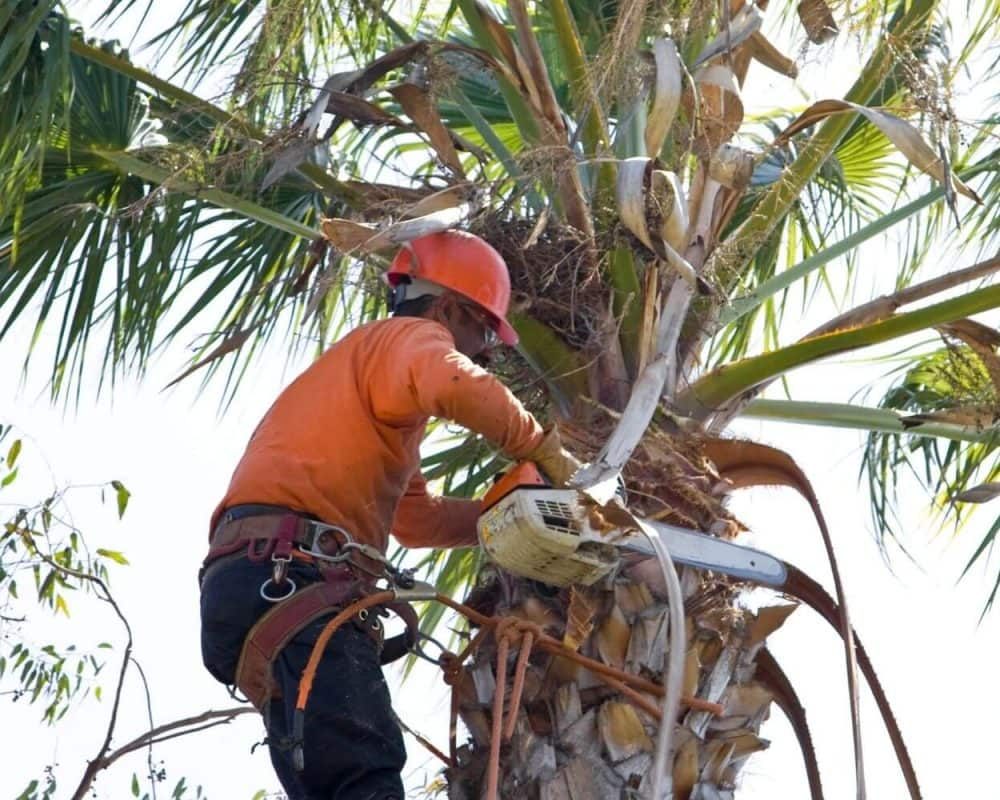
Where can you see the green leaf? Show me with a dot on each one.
(9, 478)
(123, 495)
(61, 606)
(114, 555)
(135, 785)
(260, 794)
(13, 453)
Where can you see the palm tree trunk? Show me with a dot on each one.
(567, 732)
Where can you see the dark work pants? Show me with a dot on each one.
(353, 747)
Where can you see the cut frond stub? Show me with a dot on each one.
(666, 94)
(731, 166)
(818, 21)
(719, 111)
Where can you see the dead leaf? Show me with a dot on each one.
(719, 109)
(360, 111)
(979, 494)
(904, 136)
(228, 345)
(666, 94)
(288, 159)
(766, 621)
(767, 54)
(579, 619)
(818, 20)
(741, 27)
(418, 106)
(613, 637)
(621, 730)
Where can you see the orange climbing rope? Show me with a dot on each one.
(507, 631)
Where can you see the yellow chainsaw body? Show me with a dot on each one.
(543, 534)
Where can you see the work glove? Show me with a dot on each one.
(558, 464)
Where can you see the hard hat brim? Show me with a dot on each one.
(506, 333)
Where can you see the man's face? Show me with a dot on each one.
(473, 328)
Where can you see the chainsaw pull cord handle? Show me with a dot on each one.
(676, 652)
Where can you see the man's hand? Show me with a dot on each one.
(558, 464)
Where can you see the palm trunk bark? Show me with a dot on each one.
(574, 735)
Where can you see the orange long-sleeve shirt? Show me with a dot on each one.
(342, 442)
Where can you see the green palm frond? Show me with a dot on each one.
(276, 50)
(86, 211)
(950, 385)
(34, 91)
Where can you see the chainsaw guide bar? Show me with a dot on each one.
(548, 535)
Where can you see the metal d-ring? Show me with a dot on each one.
(363, 614)
(285, 596)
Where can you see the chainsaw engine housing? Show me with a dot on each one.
(543, 534)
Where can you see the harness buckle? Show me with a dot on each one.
(320, 530)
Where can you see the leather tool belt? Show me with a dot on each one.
(270, 532)
(267, 531)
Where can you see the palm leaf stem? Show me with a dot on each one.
(862, 418)
(627, 302)
(594, 132)
(520, 111)
(874, 311)
(130, 165)
(775, 204)
(559, 366)
(721, 385)
(741, 306)
(883, 307)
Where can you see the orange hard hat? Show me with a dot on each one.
(461, 262)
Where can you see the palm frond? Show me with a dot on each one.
(94, 205)
(949, 385)
(35, 88)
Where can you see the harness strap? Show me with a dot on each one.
(276, 628)
(231, 535)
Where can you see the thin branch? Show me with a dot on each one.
(95, 765)
(149, 716)
(155, 735)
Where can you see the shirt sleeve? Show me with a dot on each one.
(424, 520)
(444, 383)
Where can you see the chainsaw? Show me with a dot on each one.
(558, 536)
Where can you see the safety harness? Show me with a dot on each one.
(350, 571)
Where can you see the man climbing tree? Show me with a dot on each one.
(329, 472)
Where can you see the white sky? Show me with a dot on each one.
(176, 454)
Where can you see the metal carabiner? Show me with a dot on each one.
(319, 529)
(291, 590)
(279, 570)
